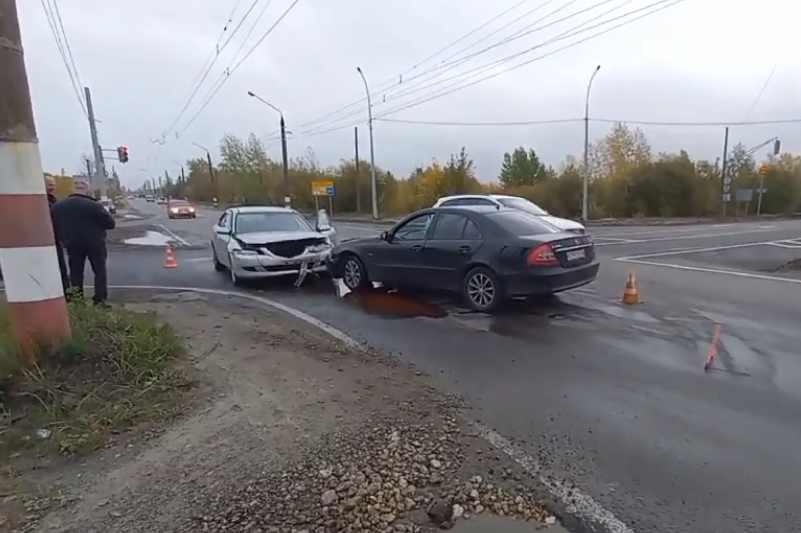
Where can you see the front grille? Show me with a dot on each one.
(293, 248)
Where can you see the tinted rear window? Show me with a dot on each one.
(521, 223)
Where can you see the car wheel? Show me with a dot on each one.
(482, 290)
(354, 274)
(234, 278)
(219, 267)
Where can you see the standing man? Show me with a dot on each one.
(50, 185)
(83, 222)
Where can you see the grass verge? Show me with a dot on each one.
(117, 372)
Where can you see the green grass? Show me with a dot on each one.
(120, 370)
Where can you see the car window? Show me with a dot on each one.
(415, 229)
(471, 232)
(271, 221)
(476, 201)
(523, 205)
(451, 203)
(449, 227)
(521, 223)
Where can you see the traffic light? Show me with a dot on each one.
(777, 147)
(122, 154)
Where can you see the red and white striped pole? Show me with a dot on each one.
(28, 258)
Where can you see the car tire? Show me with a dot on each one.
(354, 273)
(219, 267)
(482, 290)
(234, 278)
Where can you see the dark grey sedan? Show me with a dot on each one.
(486, 254)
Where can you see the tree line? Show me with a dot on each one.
(626, 180)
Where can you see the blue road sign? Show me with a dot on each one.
(329, 190)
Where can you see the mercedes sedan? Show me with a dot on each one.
(263, 241)
(486, 254)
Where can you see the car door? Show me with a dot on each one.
(221, 234)
(400, 260)
(452, 242)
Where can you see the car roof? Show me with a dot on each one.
(261, 209)
(482, 209)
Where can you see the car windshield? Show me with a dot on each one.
(270, 221)
(522, 204)
(179, 203)
(105, 202)
(522, 223)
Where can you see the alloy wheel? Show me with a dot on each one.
(481, 290)
(352, 274)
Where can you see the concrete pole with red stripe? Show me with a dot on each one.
(27, 247)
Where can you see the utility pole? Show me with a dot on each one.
(724, 171)
(585, 200)
(100, 164)
(285, 160)
(358, 171)
(33, 288)
(373, 185)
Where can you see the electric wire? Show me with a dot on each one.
(661, 5)
(230, 71)
(56, 24)
(599, 120)
(209, 64)
(762, 91)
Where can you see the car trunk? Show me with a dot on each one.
(573, 251)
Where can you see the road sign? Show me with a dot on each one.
(744, 195)
(323, 188)
(727, 197)
(764, 169)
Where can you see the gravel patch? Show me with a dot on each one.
(298, 434)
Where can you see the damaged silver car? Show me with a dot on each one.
(261, 242)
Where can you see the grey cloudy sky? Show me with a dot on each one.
(697, 61)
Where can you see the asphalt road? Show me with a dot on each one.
(611, 398)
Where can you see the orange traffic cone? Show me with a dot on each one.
(169, 260)
(630, 294)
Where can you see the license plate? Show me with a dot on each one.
(576, 254)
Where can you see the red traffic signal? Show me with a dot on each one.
(122, 154)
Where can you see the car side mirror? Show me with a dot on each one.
(323, 223)
(223, 231)
(385, 236)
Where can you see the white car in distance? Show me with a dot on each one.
(252, 242)
(514, 202)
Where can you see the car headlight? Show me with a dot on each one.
(245, 253)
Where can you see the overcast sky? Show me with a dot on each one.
(698, 61)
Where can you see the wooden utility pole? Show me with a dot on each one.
(28, 258)
(358, 172)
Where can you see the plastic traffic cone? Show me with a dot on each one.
(631, 295)
(169, 260)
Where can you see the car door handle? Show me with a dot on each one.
(464, 249)
(417, 247)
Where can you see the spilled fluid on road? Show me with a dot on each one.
(389, 303)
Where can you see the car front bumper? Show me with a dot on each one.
(260, 266)
(182, 214)
(549, 281)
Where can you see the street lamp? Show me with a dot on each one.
(372, 144)
(211, 169)
(284, 156)
(586, 181)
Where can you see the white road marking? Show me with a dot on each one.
(789, 243)
(737, 273)
(688, 237)
(575, 501)
(198, 260)
(687, 251)
(172, 234)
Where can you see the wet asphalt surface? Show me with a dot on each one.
(609, 397)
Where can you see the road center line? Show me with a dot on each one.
(687, 251)
(172, 234)
(737, 273)
(688, 237)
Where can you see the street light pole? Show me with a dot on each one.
(284, 156)
(372, 144)
(585, 203)
(211, 169)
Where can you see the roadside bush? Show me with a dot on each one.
(118, 371)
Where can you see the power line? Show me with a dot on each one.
(56, 24)
(600, 120)
(392, 81)
(227, 74)
(762, 91)
(215, 54)
(570, 33)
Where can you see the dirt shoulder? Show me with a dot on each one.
(295, 432)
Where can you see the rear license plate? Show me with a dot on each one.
(576, 254)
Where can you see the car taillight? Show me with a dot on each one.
(542, 256)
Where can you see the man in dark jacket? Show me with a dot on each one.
(82, 222)
(50, 185)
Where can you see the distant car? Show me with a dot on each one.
(514, 202)
(109, 205)
(487, 254)
(161, 201)
(181, 209)
(150, 199)
(264, 241)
